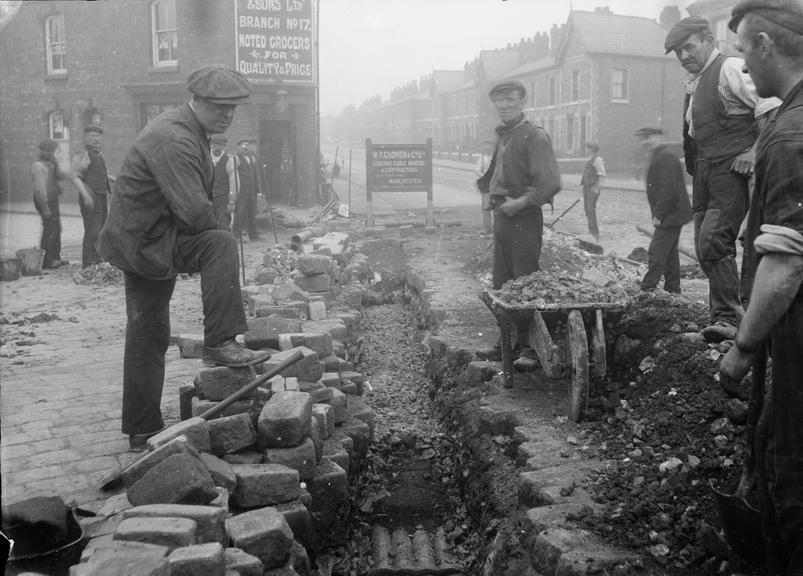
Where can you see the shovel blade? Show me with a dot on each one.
(742, 525)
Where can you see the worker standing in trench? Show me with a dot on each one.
(769, 34)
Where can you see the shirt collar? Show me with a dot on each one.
(195, 113)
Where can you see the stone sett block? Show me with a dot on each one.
(264, 332)
(190, 345)
(245, 564)
(289, 292)
(108, 545)
(195, 430)
(344, 440)
(314, 283)
(231, 433)
(340, 404)
(319, 342)
(335, 451)
(209, 520)
(329, 490)
(351, 318)
(317, 310)
(206, 559)
(165, 531)
(222, 499)
(333, 363)
(360, 433)
(264, 485)
(178, 479)
(317, 391)
(200, 406)
(300, 458)
(315, 436)
(263, 533)
(186, 396)
(542, 487)
(220, 382)
(356, 377)
(325, 414)
(349, 388)
(300, 520)
(243, 457)
(139, 467)
(359, 409)
(310, 264)
(284, 420)
(351, 295)
(330, 380)
(308, 369)
(335, 327)
(282, 311)
(104, 564)
(281, 384)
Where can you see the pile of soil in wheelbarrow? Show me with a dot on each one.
(665, 429)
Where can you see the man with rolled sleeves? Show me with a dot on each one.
(669, 207)
(90, 166)
(769, 34)
(161, 222)
(522, 176)
(722, 117)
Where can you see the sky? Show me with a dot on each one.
(369, 47)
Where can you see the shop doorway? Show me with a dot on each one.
(278, 157)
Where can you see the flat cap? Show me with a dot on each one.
(683, 29)
(93, 128)
(219, 84)
(507, 86)
(785, 13)
(648, 131)
(219, 138)
(48, 145)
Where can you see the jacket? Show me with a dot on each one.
(528, 164)
(163, 190)
(666, 189)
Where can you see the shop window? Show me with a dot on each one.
(164, 33)
(55, 45)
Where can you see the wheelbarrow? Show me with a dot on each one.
(570, 324)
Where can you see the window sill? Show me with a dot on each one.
(56, 75)
(619, 101)
(166, 69)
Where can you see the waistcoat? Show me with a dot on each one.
(220, 184)
(95, 175)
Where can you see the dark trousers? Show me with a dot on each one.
(220, 206)
(245, 212)
(94, 219)
(720, 201)
(214, 255)
(779, 448)
(517, 250)
(51, 230)
(590, 198)
(663, 259)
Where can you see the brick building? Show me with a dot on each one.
(119, 63)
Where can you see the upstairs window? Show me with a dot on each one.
(619, 84)
(575, 85)
(164, 33)
(55, 46)
(553, 91)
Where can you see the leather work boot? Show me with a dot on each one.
(233, 354)
(719, 331)
(139, 442)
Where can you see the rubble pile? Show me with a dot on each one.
(101, 274)
(254, 487)
(559, 287)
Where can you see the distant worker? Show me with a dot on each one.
(161, 224)
(46, 175)
(523, 176)
(224, 186)
(593, 176)
(769, 34)
(721, 121)
(249, 178)
(670, 209)
(90, 166)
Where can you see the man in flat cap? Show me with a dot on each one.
(161, 223)
(224, 188)
(721, 121)
(670, 209)
(769, 34)
(522, 176)
(90, 166)
(250, 183)
(46, 174)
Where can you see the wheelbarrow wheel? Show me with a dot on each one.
(578, 353)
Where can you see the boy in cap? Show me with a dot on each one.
(721, 120)
(46, 173)
(91, 167)
(161, 223)
(523, 176)
(769, 34)
(670, 209)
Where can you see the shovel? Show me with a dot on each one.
(740, 521)
(111, 479)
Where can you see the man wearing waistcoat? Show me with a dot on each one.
(593, 176)
(722, 117)
(91, 168)
(224, 184)
(249, 184)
